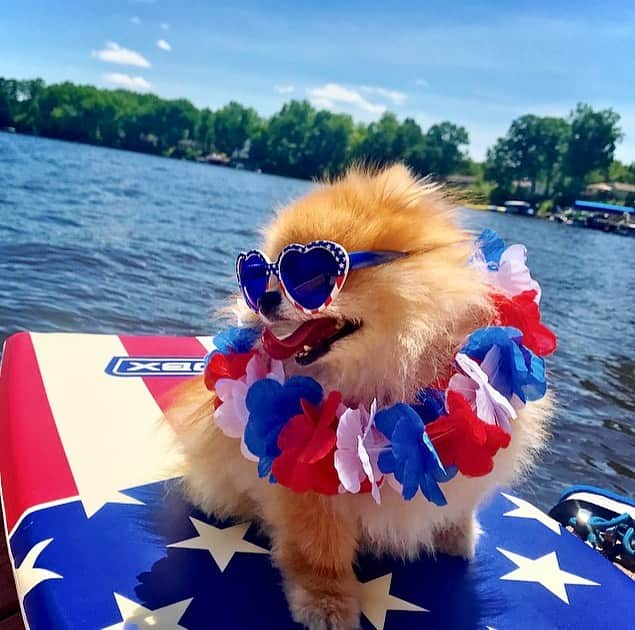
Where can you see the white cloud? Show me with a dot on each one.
(333, 96)
(138, 84)
(322, 103)
(165, 26)
(397, 98)
(284, 89)
(135, 20)
(163, 45)
(114, 53)
(422, 83)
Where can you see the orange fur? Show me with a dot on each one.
(416, 311)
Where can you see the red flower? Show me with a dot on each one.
(523, 313)
(464, 440)
(307, 443)
(232, 366)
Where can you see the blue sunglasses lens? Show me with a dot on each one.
(252, 277)
(309, 276)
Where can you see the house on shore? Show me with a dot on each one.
(610, 190)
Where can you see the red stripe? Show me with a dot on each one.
(161, 386)
(33, 464)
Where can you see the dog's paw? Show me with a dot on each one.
(322, 610)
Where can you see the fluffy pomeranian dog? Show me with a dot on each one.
(393, 330)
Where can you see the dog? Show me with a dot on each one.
(398, 326)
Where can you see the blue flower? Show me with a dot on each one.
(233, 340)
(431, 404)
(519, 371)
(412, 458)
(236, 339)
(492, 246)
(270, 407)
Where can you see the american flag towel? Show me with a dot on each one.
(100, 536)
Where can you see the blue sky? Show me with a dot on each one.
(479, 64)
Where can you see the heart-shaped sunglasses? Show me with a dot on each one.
(310, 275)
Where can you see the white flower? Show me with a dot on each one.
(513, 275)
(231, 417)
(358, 446)
(474, 385)
(510, 275)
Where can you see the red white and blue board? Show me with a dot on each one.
(100, 536)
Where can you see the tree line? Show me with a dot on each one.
(554, 156)
(298, 141)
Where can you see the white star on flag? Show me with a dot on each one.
(527, 510)
(94, 502)
(222, 544)
(28, 576)
(134, 615)
(376, 601)
(544, 571)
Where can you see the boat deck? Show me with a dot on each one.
(10, 617)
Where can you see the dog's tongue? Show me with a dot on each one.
(308, 334)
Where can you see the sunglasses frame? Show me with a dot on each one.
(346, 262)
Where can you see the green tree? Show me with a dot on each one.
(532, 149)
(327, 144)
(233, 124)
(536, 145)
(524, 141)
(619, 172)
(500, 167)
(281, 147)
(411, 147)
(444, 148)
(591, 145)
(554, 135)
(205, 133)
(8, 102)
(379, 144)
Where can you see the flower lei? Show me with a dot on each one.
(306, 439)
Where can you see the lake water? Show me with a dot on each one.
(98, 240)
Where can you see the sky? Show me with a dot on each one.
(478, 64)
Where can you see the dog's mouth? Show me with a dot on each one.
(310, 341)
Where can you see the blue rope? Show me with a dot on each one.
(622, 527)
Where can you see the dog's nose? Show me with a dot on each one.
(268, 302)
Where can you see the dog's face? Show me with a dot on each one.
(393, 328)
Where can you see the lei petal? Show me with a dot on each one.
(412, 458)
(431, 404)
(236, 339)
(463, 440)
(358, 446)
(231, 416)
(513, 275)
(522, 312)
(307, 444)
(474, 385)
(520, 372)
(271, 405)
(491, 245)
(231, 366)
(231, 413)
